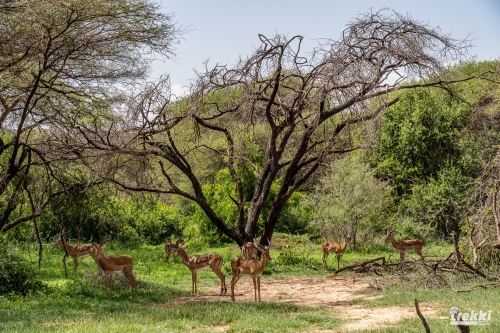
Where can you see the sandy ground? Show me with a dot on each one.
(322, 292)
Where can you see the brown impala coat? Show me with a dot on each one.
(253, 268)
(74, 251)
(332, 247)
(249, 251)
(111, 264)
(405, 245)
(200, 262)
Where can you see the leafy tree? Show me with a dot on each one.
(307, 106)
(60, 60)
(433, 144)
(418, 137)
(349, 199)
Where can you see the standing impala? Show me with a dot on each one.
(74, 251)
(200, 262)
(254, 268)
(249, 251)
(405, 245)
(171, 247)
(111, 264)
(331, 247)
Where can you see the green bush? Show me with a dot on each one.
(17, 275)
(289, 256)
(130, 237)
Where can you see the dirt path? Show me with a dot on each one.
(320, 292)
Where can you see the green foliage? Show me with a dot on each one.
(130, 237)
(290, 256)
(349, 199)
(293, 219)
(17, 275)
(418, 137)
(439, 201)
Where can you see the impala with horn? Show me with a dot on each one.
(170, 248)
(201, 262)
(74, 251)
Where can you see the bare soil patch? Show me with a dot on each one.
(333, 293)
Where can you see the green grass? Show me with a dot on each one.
(80, 304)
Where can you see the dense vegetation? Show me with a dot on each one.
(254, 151)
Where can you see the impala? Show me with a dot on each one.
(332, 247)
(111, 264)
(249, 251)
(200, 262)
(405, 245)
(170, 247)
(74, 251)
(254, 268)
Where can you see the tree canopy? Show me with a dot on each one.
(297, 110)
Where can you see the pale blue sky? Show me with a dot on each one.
(222, 30)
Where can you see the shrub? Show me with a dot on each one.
(128, 236)
(17, 275)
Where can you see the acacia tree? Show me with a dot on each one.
(295, 109)
(58, 60)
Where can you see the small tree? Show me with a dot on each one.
(349, 199)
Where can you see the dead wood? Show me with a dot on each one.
(422, 318)
(364, 263)
(484, 286)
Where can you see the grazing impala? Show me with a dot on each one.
(254, 268)
(200, 262)
(249, 251)
(74, 251)
(170, 247)
(331, 247)
(405, 245)
(111, 264)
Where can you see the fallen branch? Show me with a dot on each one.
(357, 265)
(484, 286)
(422, 318)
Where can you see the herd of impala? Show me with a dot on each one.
(247, 265)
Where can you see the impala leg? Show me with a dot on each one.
(75, 264)
(255, 288)
(236, 277)
(325, 256)
(217, 271)
(338, 260)
(111, 281)
(193, 282)
(167, 254)
(258, 286)
(106, 281)
(131, 279)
